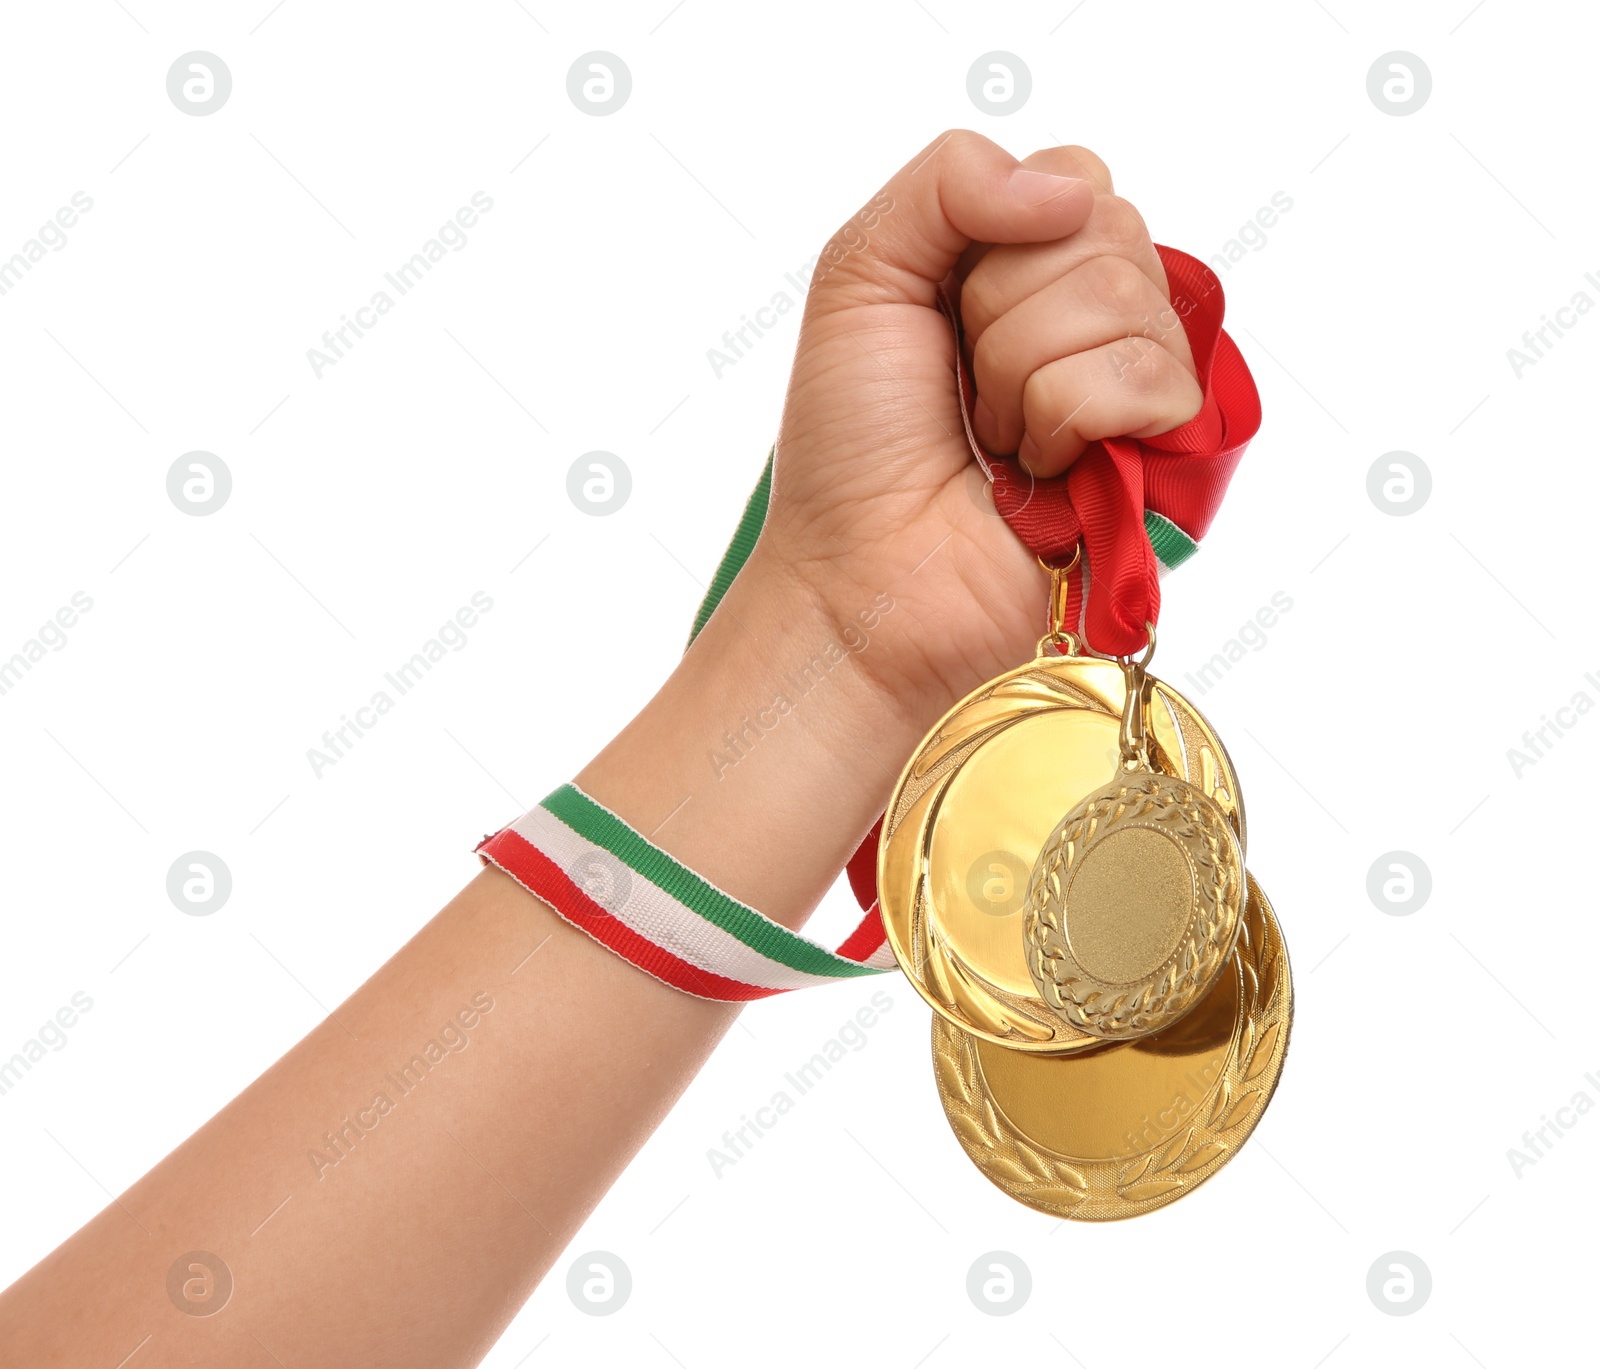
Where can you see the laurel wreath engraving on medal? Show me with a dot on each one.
(1176, 810)
(1240, 1098)
(1112, 1189)
(1036, 1177)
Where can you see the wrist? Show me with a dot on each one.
(769, 752)
(832, 630)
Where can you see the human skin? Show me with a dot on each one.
(419, 1245)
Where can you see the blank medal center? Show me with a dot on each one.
(1128, 904)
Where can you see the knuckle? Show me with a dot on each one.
(1121, 226)
(848, 248)
(1117, 287)
(1145, 368)
(1155, 381)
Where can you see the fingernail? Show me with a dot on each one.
(1037, 188)
(1028, 453)
(983, 418)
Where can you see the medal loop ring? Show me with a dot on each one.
(1060, 587)
(1135, 743)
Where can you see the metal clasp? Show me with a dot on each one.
(1060, 589)
(1135, 707)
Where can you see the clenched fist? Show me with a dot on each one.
(1071, 336)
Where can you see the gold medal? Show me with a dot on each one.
(981, 797)
(1120, 1130)
(1111, 991)
(1135, 901)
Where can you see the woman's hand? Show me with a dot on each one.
(1072, 338)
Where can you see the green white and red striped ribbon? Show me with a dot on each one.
(609, 881)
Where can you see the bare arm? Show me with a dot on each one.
(415, 1227)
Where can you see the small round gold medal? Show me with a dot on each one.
(1134, 903)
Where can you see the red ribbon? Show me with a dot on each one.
(1099, 503)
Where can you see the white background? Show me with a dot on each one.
(369, 504)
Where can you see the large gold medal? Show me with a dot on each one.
(980, 799)
(1120, 1130)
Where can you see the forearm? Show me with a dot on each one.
(361, 1199)
(337, 1188)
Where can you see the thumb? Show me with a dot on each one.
(959, 189)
